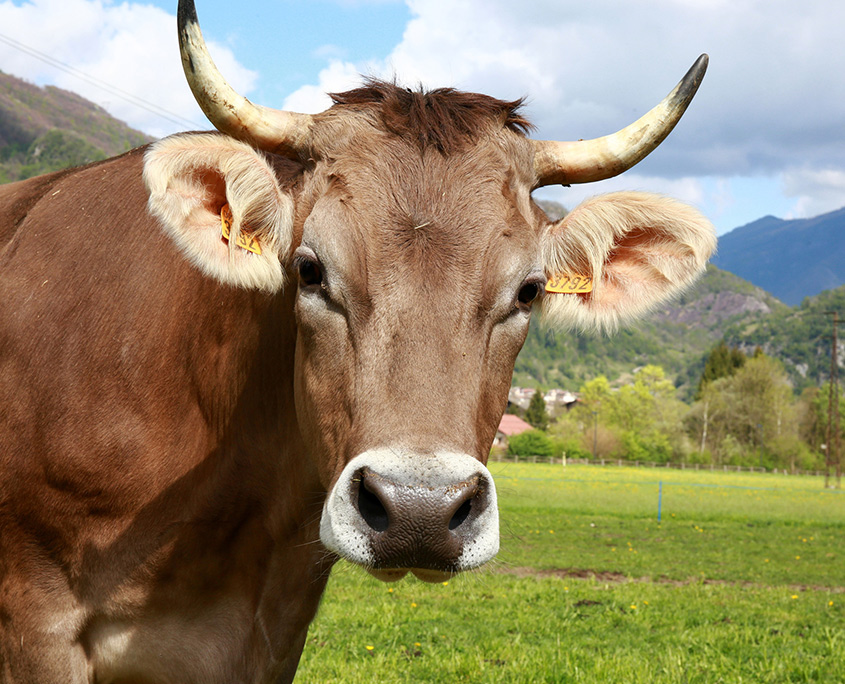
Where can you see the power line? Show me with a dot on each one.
(109, 88)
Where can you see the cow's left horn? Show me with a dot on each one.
(586, 161)
(273, 130)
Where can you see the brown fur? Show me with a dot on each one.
(444, 119)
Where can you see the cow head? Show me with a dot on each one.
(417, 256)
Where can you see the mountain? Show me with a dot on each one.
(677, 336)
(791, 259)
(800, 337)
(46, 129)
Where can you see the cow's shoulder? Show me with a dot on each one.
(16, 199)
(19, 199)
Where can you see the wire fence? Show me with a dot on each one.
(511, 458)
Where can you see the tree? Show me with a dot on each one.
(595, 393)
(531, 443)
(535, 414)
(641, 421)
(722, 362)
(649, 417)
(749, 418)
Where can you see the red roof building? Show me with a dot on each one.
(509, 426)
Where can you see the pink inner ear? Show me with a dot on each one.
(190, 177)
(213, 189)
(641, 249)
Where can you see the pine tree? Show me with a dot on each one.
(722, 362)
(535, 414)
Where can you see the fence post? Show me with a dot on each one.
(659, 499)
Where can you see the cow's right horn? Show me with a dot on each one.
(586, 161)
(273, 130)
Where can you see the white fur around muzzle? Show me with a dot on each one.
(342, 528)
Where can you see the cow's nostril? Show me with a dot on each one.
(371, 508)
(461, 514)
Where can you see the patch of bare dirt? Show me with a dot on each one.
(613, 577)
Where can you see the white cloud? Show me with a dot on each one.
(688, 189)
(336, 78)
(130, 46)
(817, 191)
(591, 68)
(330, 52)
(768, 103)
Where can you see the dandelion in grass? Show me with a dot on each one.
(413, 605)
(369, 648)
(794, 596)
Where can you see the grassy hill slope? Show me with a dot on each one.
(799, 336)
(46, 129)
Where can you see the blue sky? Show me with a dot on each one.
(763, 136)
(290, 41)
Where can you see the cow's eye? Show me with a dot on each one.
(529, 292)
(309, 271)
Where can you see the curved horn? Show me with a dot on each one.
(586, 161)
(273, 130)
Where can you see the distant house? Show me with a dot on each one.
(554, 398)
(559, 397)
(509, 425)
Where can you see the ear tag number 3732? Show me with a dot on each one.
(245, 239)
(568, 283)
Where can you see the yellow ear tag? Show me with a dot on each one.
(245, 239)
(570, 283)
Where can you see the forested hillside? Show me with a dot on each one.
(46, 129)
(676, 337)
(800, 337)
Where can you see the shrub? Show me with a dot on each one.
(531, 443)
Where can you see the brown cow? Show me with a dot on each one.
(194, 428)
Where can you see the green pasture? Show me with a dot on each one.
(743, 580)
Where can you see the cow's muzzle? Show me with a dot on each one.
(393, 511)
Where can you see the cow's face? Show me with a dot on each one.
(417, 257)
(417, 273)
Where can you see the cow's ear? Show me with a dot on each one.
(195, 181)
(633, 249)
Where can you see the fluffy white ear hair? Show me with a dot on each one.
(640, 249)
(191, 176)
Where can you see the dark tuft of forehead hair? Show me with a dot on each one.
(444, 119)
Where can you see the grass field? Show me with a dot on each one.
(743, 580)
